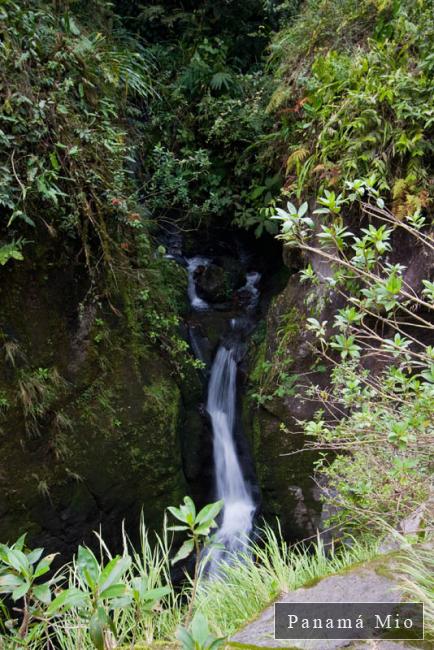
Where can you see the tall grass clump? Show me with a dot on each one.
(247, 584)
(102, 601)
(417, 567)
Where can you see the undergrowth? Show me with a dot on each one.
(241, 589)
(251, 581)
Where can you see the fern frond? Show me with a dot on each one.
(297, 156)
(399, 188)
(281, 95)
(221, 80)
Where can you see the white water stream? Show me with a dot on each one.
(192, 264)
(239, 508)
(231, 486)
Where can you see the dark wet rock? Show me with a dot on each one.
(285, 470)
(212, 283)
(91, 435)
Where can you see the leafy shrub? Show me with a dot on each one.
(377, 415)
(64, 134)
(90, 602)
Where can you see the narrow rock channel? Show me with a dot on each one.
(234, 481)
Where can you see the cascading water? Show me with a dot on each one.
(252, 279)
(239, 507)
(192, 265)
(231, 485)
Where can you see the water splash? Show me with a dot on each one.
(193, 263)
(251, 289)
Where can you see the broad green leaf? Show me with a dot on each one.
(34, 555)
(199, 629)
(3, 553)
(257, 191)
(303, 209)
(72, 25)
(19, 592)
(68, 598)
(88, 566)
(156, 594)
(209, 512)
(184, 551)
(18, 561)
(113, 571)
(9, 582)
(44, 565)
(19, 544)
(188, 501)
(54, 161)
(186, 639)
(188, 510)
(204, 529)
(42, 593)
(176, 512)
(114, 591)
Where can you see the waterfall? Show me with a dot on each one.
(231, 486)
(236, 519)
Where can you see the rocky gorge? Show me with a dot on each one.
(216, 299)
(95, 454)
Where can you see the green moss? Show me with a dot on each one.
(257, 371)
(174, 285)
(107, 441)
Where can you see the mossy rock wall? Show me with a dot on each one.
(279, 365)
(91, 414)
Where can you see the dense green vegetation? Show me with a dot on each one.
(219, 130)
(75, 89)
(131, 597)
(203, 165)
(359, 94)
(309, 120)
(355, 101)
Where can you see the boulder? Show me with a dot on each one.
(211, 283)
(372, 582)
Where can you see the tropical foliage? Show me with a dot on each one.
(119, 121)
(65, 141)
(378, 412)
(99, 600)
(355, 97)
